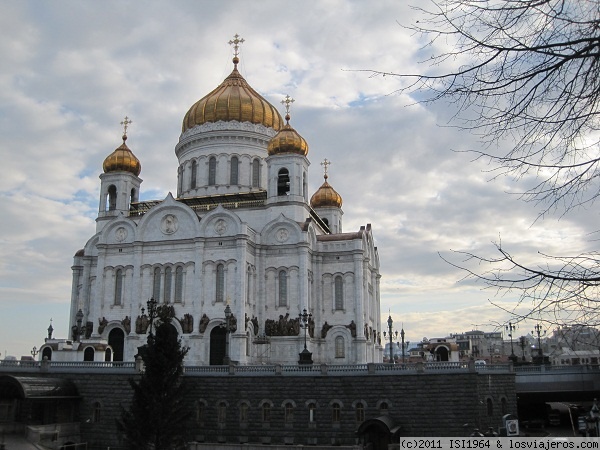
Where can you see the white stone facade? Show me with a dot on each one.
(230, 237)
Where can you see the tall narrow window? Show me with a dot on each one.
(179, 180)
(96, 412)
(312, 410)
(339, 293)
(490, 407)
(282, 288)
(212, 171)
(200, 409)
(156, 284)
(179, 284)
(222, 412)
(133, 196)
(360, 413)
(119, 287)
(112, 197)
(168, 281)
(256, 173)
(193, 177)
(304, 187)
(340, 350)
(335, 413)
(266, 412)
(283, 182)
(289, 412)
(244, 413)
(220, 285)
(233, 172)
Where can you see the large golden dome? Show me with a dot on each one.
(122, 160)
(326, 196)
(287, 141)
(233, 99)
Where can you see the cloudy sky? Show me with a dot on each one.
(71, 71)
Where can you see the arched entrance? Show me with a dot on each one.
(47, 353)
(218, 341)
(378, 433)
(88, 354)
(116, 339)
(442, 353)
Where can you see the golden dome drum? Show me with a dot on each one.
(287, 141)
(325, 197)
(122, 160)
(233, 100)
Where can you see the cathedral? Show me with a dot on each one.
(254, 270)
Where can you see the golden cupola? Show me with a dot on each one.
(287, 140)
(122, 160)
(326, 196)
(233, 100)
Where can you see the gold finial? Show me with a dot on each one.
(236, 41)
(125, 124)
(325, 163)
(287, 102)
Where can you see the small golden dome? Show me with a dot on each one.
(233, 99)
(122, 160)
(326, 196)
(287, 141)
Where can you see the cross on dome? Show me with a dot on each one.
(287, 102)
(236, 41)
(325, 163)
(125, 124)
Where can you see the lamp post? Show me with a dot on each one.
(34, 352)
(228, 325)
(510, 328)
(76, 329)
(305, 355)
(523, 344)
(539, 331)
(152, 312)
(391, 334)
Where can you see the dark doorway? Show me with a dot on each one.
(88, 354)
(442, 354)
(218, 341)
(116, 339)
(47, 354)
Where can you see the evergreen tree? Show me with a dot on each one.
(158, 417)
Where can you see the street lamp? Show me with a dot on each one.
(229, 326)
(34, 352)
(539, 331)
(404, 345)
(152, 313)
(510, 328)
(523, 344)
(391, 333)
(305, 355)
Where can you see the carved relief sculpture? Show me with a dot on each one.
(204, 320)
(126, 322)
(102, 324)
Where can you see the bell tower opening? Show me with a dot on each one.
(283, 182)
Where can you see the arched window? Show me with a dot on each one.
(212, 171)
(133, 197)
(339, 293)
(168, 281)
(289, 412)
(336, 412)
(193, 177)
(119, 287)
(200, 412)
(282, 288)
(220, 285)
(112, 197)
(108, 355)
(233, 172)
(360, 413)
(156, 284)
(256, 173)
(266, 412)
(504, 406)
(244, 412)
(96, 412)
(304, 187)
(88, 354)
(490, 407)
(340, 348)
(283, 182)
(47, 354)
(222, 412)
(312, 410)
(383, 408)
(179, 284)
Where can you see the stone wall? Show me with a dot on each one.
(421, 404)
